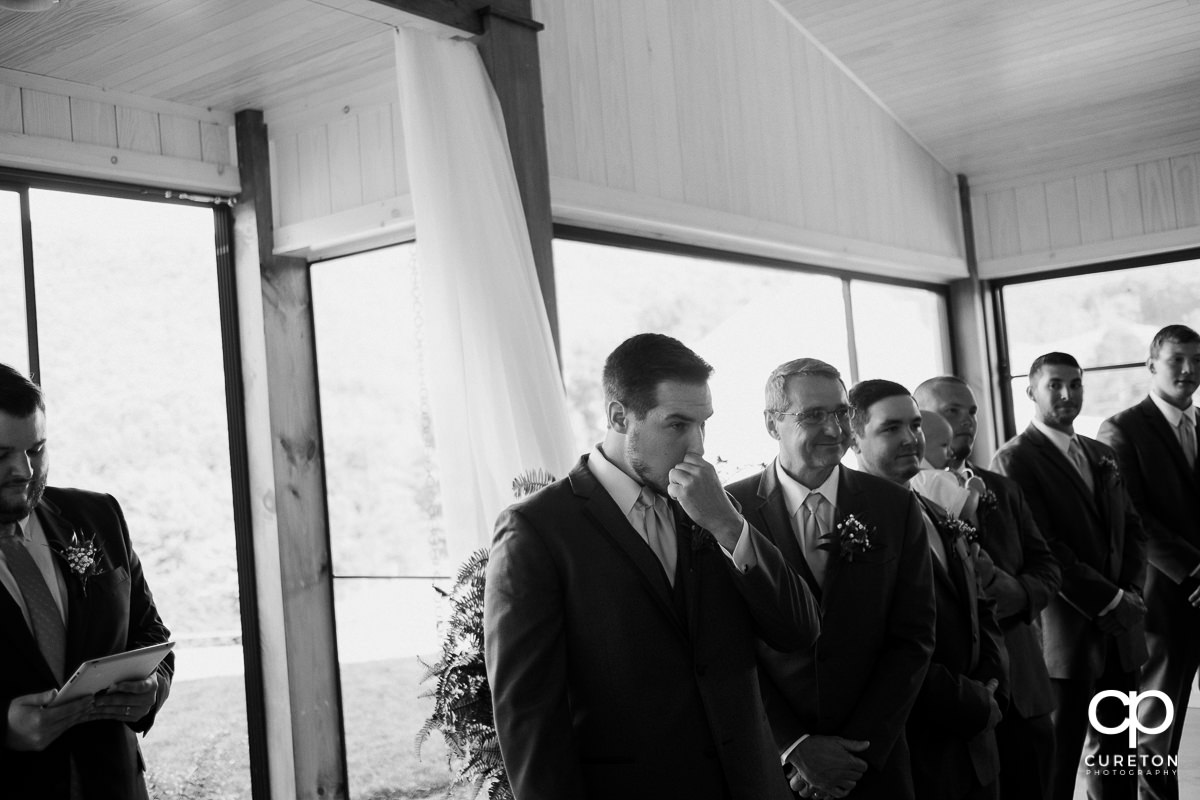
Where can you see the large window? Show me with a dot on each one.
(128, 333)
(384, 517)
(744, 320)
(1106, 320)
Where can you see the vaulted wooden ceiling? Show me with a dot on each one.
(991, 89)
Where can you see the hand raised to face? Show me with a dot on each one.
(694, 484)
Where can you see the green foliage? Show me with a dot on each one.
(462, 710)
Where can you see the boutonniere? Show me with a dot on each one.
(988, 503)
(1109, 468)
(960, 529)
(851, 537)
(83, 556)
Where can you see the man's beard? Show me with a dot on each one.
(15, 512)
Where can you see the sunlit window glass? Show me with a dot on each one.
(14, 346)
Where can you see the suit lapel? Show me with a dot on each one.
(1167, 437)
(773, 510)
(600, 508)
(947, 573)
(58, 532)
(1052, 455)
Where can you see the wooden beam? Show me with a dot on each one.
(510, 53)
(461, 14)
(304, 578)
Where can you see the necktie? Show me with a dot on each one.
(1075, 451)
(810, 532)
(660, 532)
(48, 628)
(1187, 438)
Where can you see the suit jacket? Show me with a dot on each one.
(115, 614)
(605, 682)
(1098, 540)
(953, 750)
(1027, 577)
(860, 678)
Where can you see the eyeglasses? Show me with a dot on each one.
(816, 417)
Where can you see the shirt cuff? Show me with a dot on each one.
(743, 556)
(1116, 601)
(784, 756)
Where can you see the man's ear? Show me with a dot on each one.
(617, 419)
(1029, 393)
(772, 424)
(1150, 365)
(854, 442)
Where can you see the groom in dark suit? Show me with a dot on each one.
(1093, 630)
(56, 611)
(1023, 578)
(951, 727)
(1155, 442)
(838, 708)
(623, 603)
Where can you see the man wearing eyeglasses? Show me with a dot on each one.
(838, 709)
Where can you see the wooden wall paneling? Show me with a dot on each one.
(756, 186)
(285, 179)
(10, 109)
(835, 132)
(1033, 224)
(399, 159)
(732, 98)
(586, 99)
(668, 156)
(46, 114)
(705, 169)
(634, 52)
(313, 150)
(345, 164)
(1002, 219)
(1158, 198)
(214, 143)
(93, 123)
(1062, 211)
(378, 153)
(783, 136)
(980, 227)
(1095, 223)
(556, 85)
(1125, 202)
(137, 129)
(180, 136)
(614, 106)
(1185, 184)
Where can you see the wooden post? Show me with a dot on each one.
(304, 581)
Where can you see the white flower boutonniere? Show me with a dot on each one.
(83, 556)
(851, 537)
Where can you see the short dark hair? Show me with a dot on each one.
(865, 394)
(19, 396)
(1179, 334)
(634, 370)
(1052, 360)
(926, 388)
(776, 397)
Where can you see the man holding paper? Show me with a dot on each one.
(73, 590)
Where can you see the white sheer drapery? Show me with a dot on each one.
(496, 396)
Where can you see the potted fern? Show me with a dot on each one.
(462, 699)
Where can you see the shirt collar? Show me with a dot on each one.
(795, 493)
(1173, 414)
(623, 489)
(1059, 439)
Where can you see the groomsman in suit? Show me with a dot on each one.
(623, 604)
(951, 727)
(838, 708)
(1024, 579)
(52, 618)
(1093, 635)
(1155, 442)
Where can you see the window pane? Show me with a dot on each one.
(384, 505)
(743, 320)
(130, 341)
(14, 346)
(1104, 394)
(1104, 318)
(899, 332)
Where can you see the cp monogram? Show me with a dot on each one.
(1133, 700)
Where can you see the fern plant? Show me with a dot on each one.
(462, 699)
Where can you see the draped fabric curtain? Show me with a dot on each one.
(495, 394)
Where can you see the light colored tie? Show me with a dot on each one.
(660, 532)
(1075, 451)
(1187, 439)
(810, 533)
(48, 628)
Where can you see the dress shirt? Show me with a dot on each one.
(1062, 441)
(39, 549)
(625, 492)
